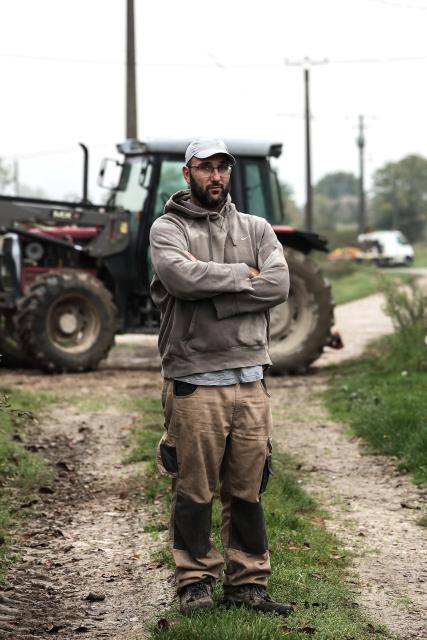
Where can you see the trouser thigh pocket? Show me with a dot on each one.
(167, 460)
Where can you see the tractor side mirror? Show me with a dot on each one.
(145, 172)
(110, 173)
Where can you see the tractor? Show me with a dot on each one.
(73, 275)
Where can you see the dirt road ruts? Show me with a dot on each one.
(87, 566)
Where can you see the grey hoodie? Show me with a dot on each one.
(213, 316)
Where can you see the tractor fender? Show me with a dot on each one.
(304, 241)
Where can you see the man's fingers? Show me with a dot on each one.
(253, 273)
(190, 256)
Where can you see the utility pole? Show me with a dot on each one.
(306, 64)
(362, 200)
(131, 119)
(308, 185)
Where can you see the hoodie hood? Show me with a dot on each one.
(180, 204)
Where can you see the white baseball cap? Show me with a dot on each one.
(205, 148)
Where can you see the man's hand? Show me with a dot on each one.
(253, 273)
(192, 258)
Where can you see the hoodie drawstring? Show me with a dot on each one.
(210, 239)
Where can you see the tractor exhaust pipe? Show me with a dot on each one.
(85, 199)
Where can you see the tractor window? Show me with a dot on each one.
(260, 184)
(171, 180)
(132, 194)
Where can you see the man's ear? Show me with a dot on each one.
(186, 174)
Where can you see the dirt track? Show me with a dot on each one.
(85, 536)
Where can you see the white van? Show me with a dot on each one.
(386, 248)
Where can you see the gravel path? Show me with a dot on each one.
(372, 507)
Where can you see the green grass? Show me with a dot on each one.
(383, 397)
(351, 281)
(420, 255)
(21, 472)
(309, 567)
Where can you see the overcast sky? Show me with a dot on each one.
(211, 68)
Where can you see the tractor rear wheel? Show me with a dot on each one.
(300, 327)
(67, 321)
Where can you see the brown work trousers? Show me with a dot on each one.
(217, 435)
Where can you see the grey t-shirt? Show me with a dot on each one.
(225, 377)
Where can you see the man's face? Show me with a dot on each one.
(209, 189)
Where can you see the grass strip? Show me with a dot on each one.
(351, 281)
(309, 567)
(420, 255)
(21, 471)
(383, 397)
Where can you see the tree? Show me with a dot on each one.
(335, 200)
(292, 213)
(400, 196)
(336, 185)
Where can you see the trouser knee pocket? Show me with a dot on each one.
(268, 469)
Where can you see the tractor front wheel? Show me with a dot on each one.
(67, 321)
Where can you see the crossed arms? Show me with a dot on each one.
(234, 288)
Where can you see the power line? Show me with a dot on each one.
(214, 63)
(400, 5)
(378, 60)
(23, 56)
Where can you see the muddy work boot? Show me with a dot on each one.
(254, 596)
(197, 595)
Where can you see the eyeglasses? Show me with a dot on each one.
(206, 169)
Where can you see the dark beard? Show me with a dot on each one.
(204, 197)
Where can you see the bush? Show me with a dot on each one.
(406, 306)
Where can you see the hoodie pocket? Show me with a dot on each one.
(192, 324)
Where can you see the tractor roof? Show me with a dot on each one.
(238, 147)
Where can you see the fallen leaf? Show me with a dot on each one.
(407, 505)
(46, 490)
(66, 466)
(95, 597)
(54, 628)
(30, 503)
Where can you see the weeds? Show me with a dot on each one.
(383, 394)
(21, 472)
(406, 306)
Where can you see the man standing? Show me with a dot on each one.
(217, 274)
